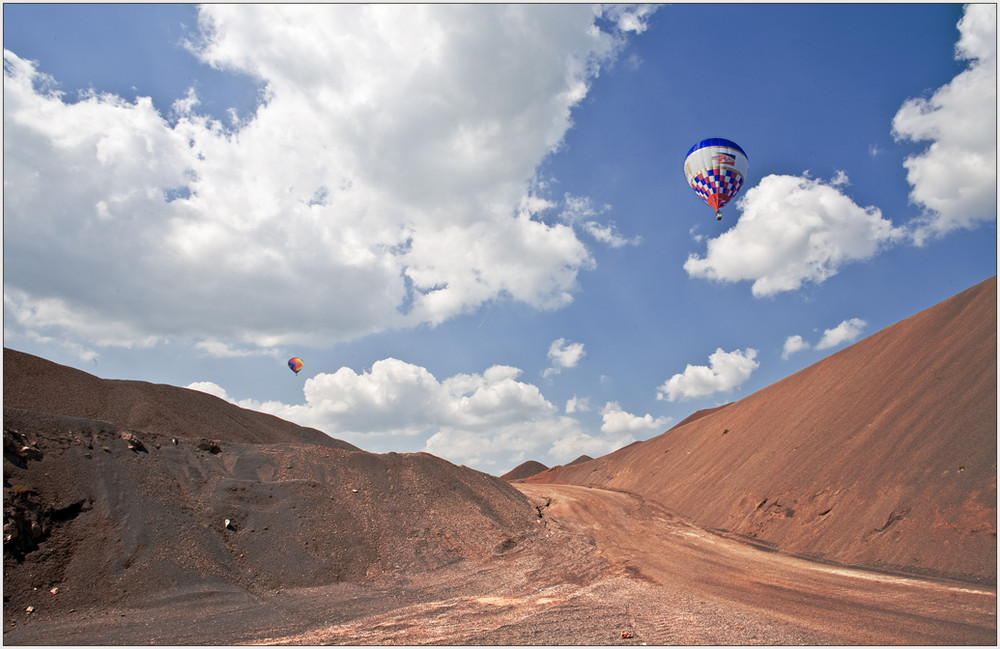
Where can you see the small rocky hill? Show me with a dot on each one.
(119, 491)
(524, 470)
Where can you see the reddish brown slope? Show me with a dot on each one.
(35, 384)
(524, 470)
(882, 455)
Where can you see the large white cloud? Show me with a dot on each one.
(793, 230)
(954, 179)
(385, 180)
(725, 372)
(490, 420)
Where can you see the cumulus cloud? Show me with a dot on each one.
(569, 447)
(617, 421)
(618, 428)
(847, 331)
(563, 354)
(793, 230)
(792, 345)
(211, 388)
(488, 420)
(385, 179)
(954, 178)
(725, 372)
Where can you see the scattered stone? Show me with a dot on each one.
(210, 446)
(229, 525)
(29, 610)
(133, 442)
(626, 634)
(354, 490)
(173, 440)
(55, 590)
(30, 453)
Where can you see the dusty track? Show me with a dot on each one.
(841, 605)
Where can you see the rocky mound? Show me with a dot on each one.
(35, 384)
(580, 460)
(882, 455)
(147, 497)
(524, 470)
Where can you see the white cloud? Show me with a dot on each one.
(490, 420)
(211, 388)
(793, 230)
(577, 404)
(563, 354)
(631, 18)
(793, 344)
(571, 446)
(617, 421)
(847, 331)
(840, 179)
(384, 181)
(954, 179)
(580, 211)
(608, 234)
(725, 371)
(219, 349)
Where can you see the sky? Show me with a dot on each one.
(471, 222)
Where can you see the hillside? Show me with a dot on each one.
(35, 384)
(524, 470)
(882, 455)
(121, 492)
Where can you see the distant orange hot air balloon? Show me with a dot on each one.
(296, 364)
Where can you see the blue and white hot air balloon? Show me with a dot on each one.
(715, 169)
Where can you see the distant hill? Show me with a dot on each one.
(698, 415)
(580, 460)
(882, 455)
(524, 470)
(35, 384)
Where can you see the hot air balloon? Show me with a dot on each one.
(715, 169)
(296, 364)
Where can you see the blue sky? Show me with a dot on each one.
(472, 222)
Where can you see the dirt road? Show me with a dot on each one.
(605, 568)
(843, 605)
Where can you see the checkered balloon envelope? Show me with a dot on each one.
(716, 169)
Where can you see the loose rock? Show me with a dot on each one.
(133, 442)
